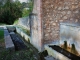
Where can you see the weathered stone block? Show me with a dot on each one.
(69, 12)
(8, 41)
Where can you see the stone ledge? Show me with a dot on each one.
(8, 41)
(55, 54)
(23, 34)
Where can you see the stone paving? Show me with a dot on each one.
(50, 58)
(8, 41)
(12, 40)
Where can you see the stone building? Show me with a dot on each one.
(47, 16)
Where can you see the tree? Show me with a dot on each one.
(27, 8)
(10, 11)
(25, 12)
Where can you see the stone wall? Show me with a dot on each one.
(24, 22)
(56, 11)
(47, 16)
(36, 26)
(23, 34)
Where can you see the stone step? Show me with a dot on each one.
(8, 41)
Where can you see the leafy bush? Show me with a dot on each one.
(15, 22)
(10, 11)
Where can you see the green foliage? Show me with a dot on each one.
(28, 32)
(1, 38)
(10, 11)
(24, 30)
(3, 24)
(15, 22)
(27, 54)
(16, 55)
(1, 33)
(25, 12)
(31, 6)
(3, 53)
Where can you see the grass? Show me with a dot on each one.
(25, 30)
(3, 24)
(1, 33)
(26, 54)
(15, 22)
(1, 38)
(16, 55)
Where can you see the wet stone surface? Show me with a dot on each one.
(19, 44)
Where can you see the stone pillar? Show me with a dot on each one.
(36, 26)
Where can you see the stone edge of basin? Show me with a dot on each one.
(9, 45)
